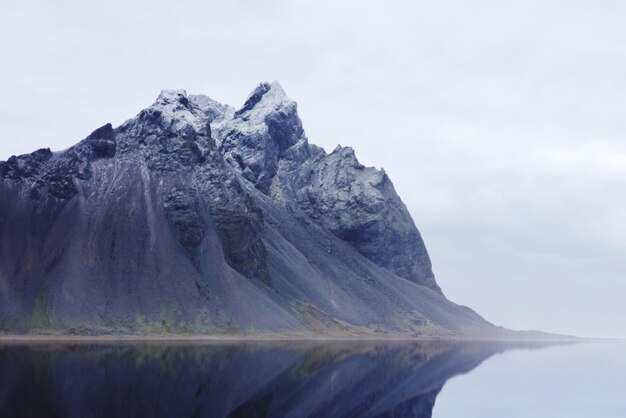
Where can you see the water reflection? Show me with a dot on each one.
(349, 379)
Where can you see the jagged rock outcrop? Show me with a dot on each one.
(359, 205)
(254, 139)
(265, 142)
(196, 217)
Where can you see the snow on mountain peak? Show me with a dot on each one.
(178, 111)
(172, 96)
(265, 99)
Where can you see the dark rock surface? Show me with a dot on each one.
(193, 217)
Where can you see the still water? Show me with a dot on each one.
(349, 379)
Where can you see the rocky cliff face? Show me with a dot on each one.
(196, 217)
(265, 142)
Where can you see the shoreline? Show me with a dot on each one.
(8, 339)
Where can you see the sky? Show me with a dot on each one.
(501, 123)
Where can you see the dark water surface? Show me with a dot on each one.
(332, 379)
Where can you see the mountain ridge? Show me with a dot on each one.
(195, 217)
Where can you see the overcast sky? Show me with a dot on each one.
(502, 124)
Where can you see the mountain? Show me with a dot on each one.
(194, 217)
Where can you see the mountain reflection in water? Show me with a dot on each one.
(296, 379)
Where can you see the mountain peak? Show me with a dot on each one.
(260, 132)
(174, 109)
(172, 96)
(266, 98)
(170, 101)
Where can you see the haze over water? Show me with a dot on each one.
(298, 379)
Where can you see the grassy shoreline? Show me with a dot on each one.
(4, 339)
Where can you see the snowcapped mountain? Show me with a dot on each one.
(194, 217)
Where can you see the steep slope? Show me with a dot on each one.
(196, 218)
(265, 142)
